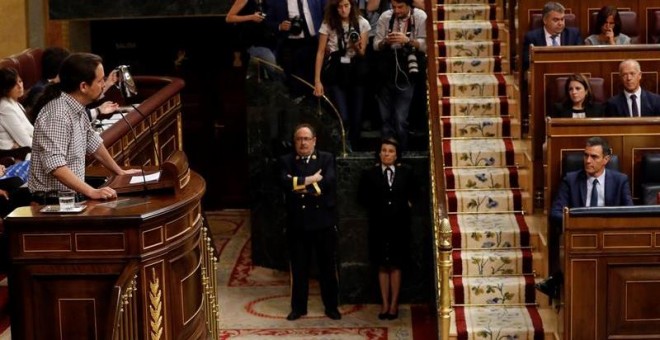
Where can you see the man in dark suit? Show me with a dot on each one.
(297, 24)
(593, 186)
(633, 101)
(308, 178)
(553, 33)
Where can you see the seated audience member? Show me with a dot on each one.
(15, 128)
(607, 30)
(633, 101)
(579, 102)
(553, 33)
(593, 186)
(51, 60)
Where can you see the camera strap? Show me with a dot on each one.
(342, 37)
(301, 15)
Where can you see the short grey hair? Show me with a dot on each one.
(552, 7)
(633, 62)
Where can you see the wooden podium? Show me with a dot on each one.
(612, 273)
(139, 267)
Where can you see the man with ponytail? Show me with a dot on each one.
(63, 135)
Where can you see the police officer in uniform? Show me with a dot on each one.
(308, 178)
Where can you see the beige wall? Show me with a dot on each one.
(13, 27)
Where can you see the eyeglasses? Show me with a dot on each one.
(304, 139)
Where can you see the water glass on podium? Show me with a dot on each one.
(67, 199)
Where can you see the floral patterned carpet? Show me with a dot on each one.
(254, 301)
(485, 175)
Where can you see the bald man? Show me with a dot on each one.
(633, 101)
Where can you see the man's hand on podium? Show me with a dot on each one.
(131, 172)
(104, 193)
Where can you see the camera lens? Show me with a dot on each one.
(353, 35)
(413, 67)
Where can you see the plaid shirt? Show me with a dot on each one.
(63, 136)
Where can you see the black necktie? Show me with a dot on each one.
(594, 194)
(301, 12)
(389, 175)
(635, 109)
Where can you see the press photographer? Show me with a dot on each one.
(297, 23)
(340, 63)
(401, 45)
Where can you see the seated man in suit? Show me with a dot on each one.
(592, 186)
(553, 33)
(633, 101)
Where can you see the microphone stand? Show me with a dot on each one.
(144, 177)
(151, 131)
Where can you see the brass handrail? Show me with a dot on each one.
(327, 100)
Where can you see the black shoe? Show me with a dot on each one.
(333, 314)
(393, 316)
(382, 316)
(549, 287)
(294, 315)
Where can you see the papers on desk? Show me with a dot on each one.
(145, 179)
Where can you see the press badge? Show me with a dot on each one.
(345, 60)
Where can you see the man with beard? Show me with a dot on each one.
(63, 135)
(401, 40)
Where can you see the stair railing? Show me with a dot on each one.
(276, 68)
(441, 227)
(123, 316)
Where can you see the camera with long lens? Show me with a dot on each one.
(296, 25)
(353, 35)
(413, 65)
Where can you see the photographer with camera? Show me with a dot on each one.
(297, 23)
(340, 62)
(401, 40)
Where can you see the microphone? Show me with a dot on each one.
(144, 176)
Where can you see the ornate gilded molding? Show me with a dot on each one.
(155, 307)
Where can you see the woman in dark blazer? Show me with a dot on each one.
(387, 190)
(579, 101)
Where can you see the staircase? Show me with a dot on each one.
(488, 178)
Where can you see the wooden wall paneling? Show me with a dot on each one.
(611, 288)
(583, 280)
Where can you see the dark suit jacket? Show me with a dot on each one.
(278, 11)
(573, 192)
(565, 110)
(617, 106)
(389, 212)
(309, 207)
(569, 37)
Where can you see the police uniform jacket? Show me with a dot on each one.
(311, 207)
